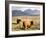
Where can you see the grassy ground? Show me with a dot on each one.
(18, 27)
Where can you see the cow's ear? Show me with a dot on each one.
(31, 22)
(18, 20)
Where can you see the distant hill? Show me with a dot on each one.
(27, 12)
(16, 12)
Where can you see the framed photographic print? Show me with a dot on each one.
(24, 18)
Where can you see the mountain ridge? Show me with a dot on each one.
(27, 12)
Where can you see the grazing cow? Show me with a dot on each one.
(26, 23)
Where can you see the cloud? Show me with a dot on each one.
(25, 8)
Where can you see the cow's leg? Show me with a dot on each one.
(26, 27)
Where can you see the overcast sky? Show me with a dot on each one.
(25, 8)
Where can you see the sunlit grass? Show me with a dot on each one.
(17, 27)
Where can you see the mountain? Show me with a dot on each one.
(32, 12)
(16, 12)
(27, 12)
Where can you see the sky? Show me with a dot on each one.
(25, 8)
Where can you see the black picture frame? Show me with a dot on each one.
(7, 18)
